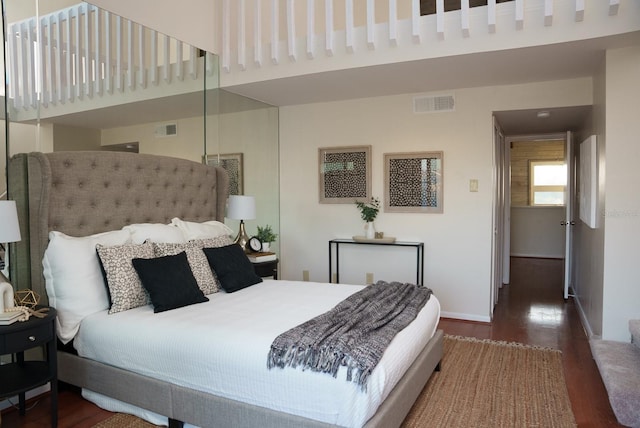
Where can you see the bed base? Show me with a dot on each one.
(206, 410)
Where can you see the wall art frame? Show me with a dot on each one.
(344, 174)
(413, 182)
(588, 201)
(233, 164)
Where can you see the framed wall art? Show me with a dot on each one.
(344, 174)
(232, 163)
(413, 182)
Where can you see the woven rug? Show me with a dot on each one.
(482, 383)
(485, 383)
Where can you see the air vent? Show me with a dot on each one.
(166, 130)
(434, 103)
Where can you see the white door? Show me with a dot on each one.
(497, 243)
(568, 222)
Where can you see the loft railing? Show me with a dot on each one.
(259, 33)
(84, 52)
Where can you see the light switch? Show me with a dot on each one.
(473, 185)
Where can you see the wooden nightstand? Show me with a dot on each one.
(266, 269)
(21, 376)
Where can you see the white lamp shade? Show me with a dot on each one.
(9, 227)
(241, 207)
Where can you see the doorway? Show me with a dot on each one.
(526, 127)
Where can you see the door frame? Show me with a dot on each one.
(500, 266)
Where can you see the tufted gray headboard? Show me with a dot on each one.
(85, 192)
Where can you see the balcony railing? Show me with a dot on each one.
(84, 52)
(261, 34)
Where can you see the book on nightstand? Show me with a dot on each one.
(261, 257)
(7, 318)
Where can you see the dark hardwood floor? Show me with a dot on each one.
(530, 310)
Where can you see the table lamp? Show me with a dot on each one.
(9, 232)
(241, 208)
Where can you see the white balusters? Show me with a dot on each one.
(579, 10)
(548, 12)
(242, 42)
(371, 24)
(311, 45)
(257, 33)
(464, 17)
(291, 30)
(329, 36)
(393, 22)
(415, 21)
(275, 31)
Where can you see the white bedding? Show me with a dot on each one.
(225, 351)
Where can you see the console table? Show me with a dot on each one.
(419, 246)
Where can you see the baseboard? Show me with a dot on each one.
(4, 404)
(466, 317)
(583, 319)
(538, 256)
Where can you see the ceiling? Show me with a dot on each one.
(517, 66)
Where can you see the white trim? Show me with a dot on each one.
(466, 317)
(584, 320)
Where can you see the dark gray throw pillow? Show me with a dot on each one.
(169, 282)
(232, 267)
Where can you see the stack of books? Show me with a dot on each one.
(261, 257)
(7, 318)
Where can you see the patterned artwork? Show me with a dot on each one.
(232, 163)
(345, 174)
(413, 182)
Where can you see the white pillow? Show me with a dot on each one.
(208, 229)
(73, 278)
(155, 232)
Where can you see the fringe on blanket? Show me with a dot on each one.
(353, 334)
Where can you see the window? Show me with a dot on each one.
(547, 182)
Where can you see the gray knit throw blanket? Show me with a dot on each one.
(355, 333)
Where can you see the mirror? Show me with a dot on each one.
(86, 79)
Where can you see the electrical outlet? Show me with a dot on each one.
(473, 185)
(369, 279)
(305, 275)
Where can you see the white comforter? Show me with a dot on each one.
(221, 347)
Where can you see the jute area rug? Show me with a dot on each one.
(482, 383)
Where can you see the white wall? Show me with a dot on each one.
(536, 232)
(621, 296)
(457, 242)
(188, 144)
(588, 248)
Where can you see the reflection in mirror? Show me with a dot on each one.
(243, 134)
(77, 72)
(81, 78)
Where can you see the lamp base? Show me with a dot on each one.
(242, 239)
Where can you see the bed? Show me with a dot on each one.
(86, 193)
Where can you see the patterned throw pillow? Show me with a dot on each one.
(205, 278)
(125, 289)
(217, 242)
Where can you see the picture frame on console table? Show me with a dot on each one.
(413, 182)
(344, 174)
(233, 164)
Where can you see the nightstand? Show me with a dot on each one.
(21, 376)
(266, 269)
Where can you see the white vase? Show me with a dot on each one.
(266, 246)
(369, 230)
